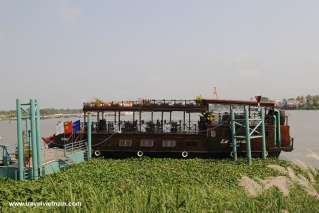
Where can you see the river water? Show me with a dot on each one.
(304, 129)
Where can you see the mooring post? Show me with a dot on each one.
(38, 135)
(34, 142)
(20, 141)
(247, 126)
(233, 129)
(89, 137)
(263, 130)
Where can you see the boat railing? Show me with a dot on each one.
(75, 146)
(145, 127)
(144, 102)
(6, 157)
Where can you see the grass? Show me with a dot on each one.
(158, 185)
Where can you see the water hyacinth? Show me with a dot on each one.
(163, 185)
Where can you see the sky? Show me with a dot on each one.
(65, 52)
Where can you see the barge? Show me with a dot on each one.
(200, 127)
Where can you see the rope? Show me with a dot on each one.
(105, 140)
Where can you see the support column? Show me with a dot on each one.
(278, 128)
(162, 123)
(275, 130)
(248, 145)
(264, 148)
(189, 121)
(233, 129)
(39, 150)
(20, 141)
(152, 116)
(89, 137)
(119, 121)
(184, 115)
(140, 121)
(34, 142)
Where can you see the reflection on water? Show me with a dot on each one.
(304, 128)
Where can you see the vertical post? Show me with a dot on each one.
(233, 130)
(248, 145)
(140, 121)
(133, 116)
(152, 116)
(20, 141)
(89, 137)
(275, 130)
(184, 118)
(119, 121)
(263, 130)
(278, 128)
(34, 142)
(170, 116)
(39, 152)
(189, 121)
(162, 123)
(27, 132)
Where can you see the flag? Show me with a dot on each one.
(76, 126)
(59, 128)
(68, 128)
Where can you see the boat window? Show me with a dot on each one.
(125, 143)
(168, 143)
(147, 143)
(191, 143)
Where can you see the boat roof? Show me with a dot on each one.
(166, 105)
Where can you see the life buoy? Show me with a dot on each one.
(97, 153)
(139, 154)
(184, 154)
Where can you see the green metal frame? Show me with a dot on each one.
(251, 131)
(32, 115)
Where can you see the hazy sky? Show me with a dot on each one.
(64, 52)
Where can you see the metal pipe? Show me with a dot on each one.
(34, 142)
(248, 145)
(39, 152)
(20, 141)
(89, 137)
(278, 127)
(233, 129)
(264, 148)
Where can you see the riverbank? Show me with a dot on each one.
(161, 185)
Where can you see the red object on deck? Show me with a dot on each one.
(48, 139)
(68, 127)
